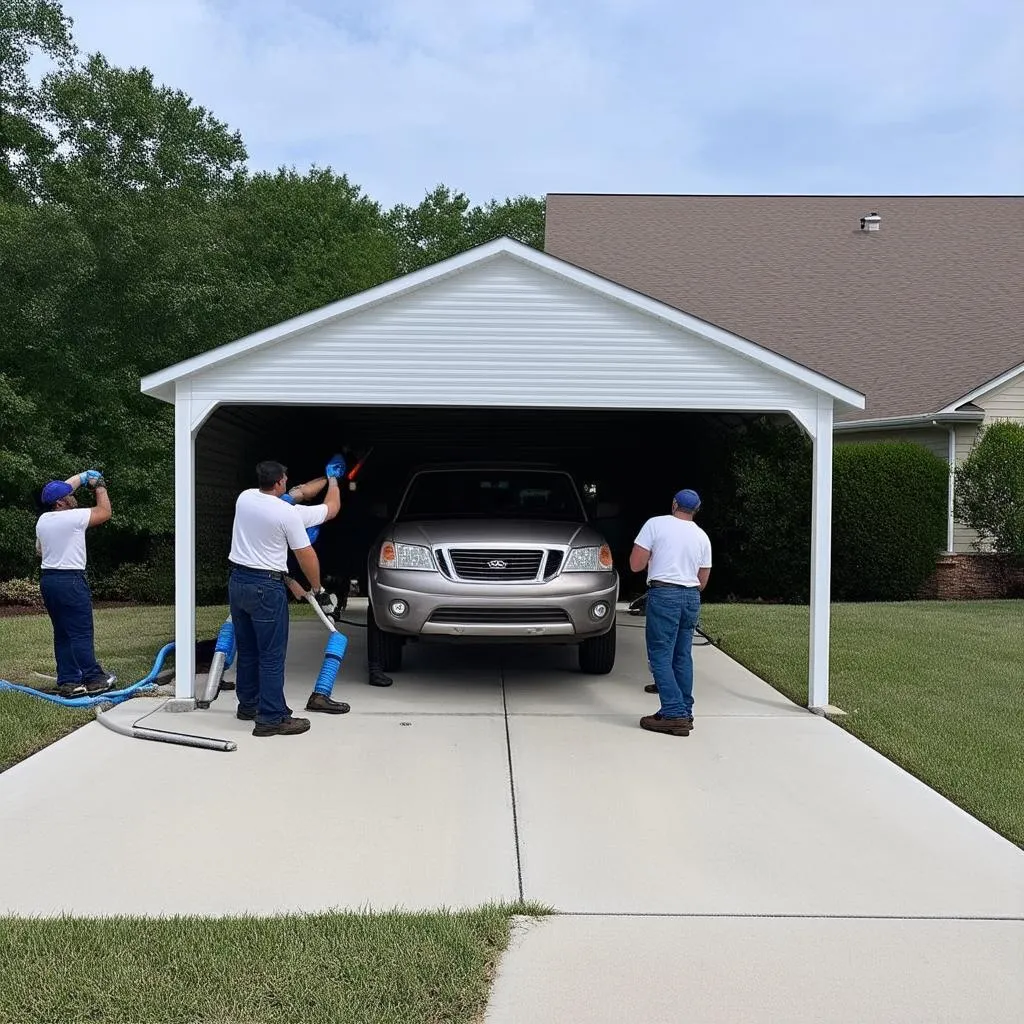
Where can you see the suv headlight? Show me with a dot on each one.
(589, 559)
(404, 556)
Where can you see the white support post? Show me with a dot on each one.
(184, 550)
(821, 556)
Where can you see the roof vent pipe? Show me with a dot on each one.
(872, 222)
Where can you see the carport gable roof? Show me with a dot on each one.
(162, 384)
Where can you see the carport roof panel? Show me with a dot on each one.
(162, 384)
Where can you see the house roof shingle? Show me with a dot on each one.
(915, 315)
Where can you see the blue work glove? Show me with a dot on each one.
(336, 467)
(312, 532)
(88, 477)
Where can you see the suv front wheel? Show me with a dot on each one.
(597, 655)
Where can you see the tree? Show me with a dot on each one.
(989, 492)
(444, 224)
(28, 28)
(299, 242)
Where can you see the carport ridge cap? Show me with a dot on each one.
(158, 384)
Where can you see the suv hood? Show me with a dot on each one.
(492, 531)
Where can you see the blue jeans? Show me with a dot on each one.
(672, 614)
(68, 602)
(259, 612)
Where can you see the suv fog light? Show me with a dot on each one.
(599, 610)
(398, 608)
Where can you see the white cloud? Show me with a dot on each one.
(514, 96)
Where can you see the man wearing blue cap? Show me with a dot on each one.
(60, 543)
(676, 553)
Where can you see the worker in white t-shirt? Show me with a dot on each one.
(264, 530)
(60, 544)
(676, 553)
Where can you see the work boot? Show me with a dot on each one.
(378, 678)
(670, 726)
(286, 727)
(651, 688)
(245, 716)
(101, 685)
(321, 702)
(70, 690)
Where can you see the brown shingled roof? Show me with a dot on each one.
(915, 315)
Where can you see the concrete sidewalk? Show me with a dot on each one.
(792, 873)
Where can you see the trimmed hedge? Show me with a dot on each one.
(888, 517)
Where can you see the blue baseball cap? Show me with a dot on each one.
(687, 500)
(55, 490)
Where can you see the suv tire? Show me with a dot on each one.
(597, 655)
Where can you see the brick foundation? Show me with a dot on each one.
(974, 576)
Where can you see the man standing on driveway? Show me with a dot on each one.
(60, 543)
(264, 529)
(676, 553)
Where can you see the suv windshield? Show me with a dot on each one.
(492, 494)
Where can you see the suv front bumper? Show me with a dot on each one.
(436, 606)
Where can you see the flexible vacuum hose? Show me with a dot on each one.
(112, 697)
(334, 652)
(223, 655)
(117, 696)
(185, 739)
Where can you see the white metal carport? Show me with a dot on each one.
(502, 325)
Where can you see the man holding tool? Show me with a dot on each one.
(60, 543)
(264, 530)
(676, 553)
(313, 517)
(305, 492)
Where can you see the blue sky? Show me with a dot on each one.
(508, 97)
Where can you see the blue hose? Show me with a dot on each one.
(113, 697)
(333, 654)
(226, 643)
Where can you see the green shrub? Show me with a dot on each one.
(888, 517)
(889, 508)
(21, 592)
(989, 493)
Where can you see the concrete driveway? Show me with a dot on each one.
(768, 858)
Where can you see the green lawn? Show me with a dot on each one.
(127, 640)
(937, 687)
(315, 969)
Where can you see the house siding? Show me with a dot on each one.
(963, 536)
(1005, 403)
(503, 333)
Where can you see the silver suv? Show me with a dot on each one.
(494, 552)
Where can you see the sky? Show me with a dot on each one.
(500, 98)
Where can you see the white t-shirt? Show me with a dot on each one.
(312, 515)
(61, 536)
(265, 528)
(678, 547)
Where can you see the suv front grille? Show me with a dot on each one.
(496, 566)
(499, 616)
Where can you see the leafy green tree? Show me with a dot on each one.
(989, 492)
(300, 242)
(28, 28)
(445, 224)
